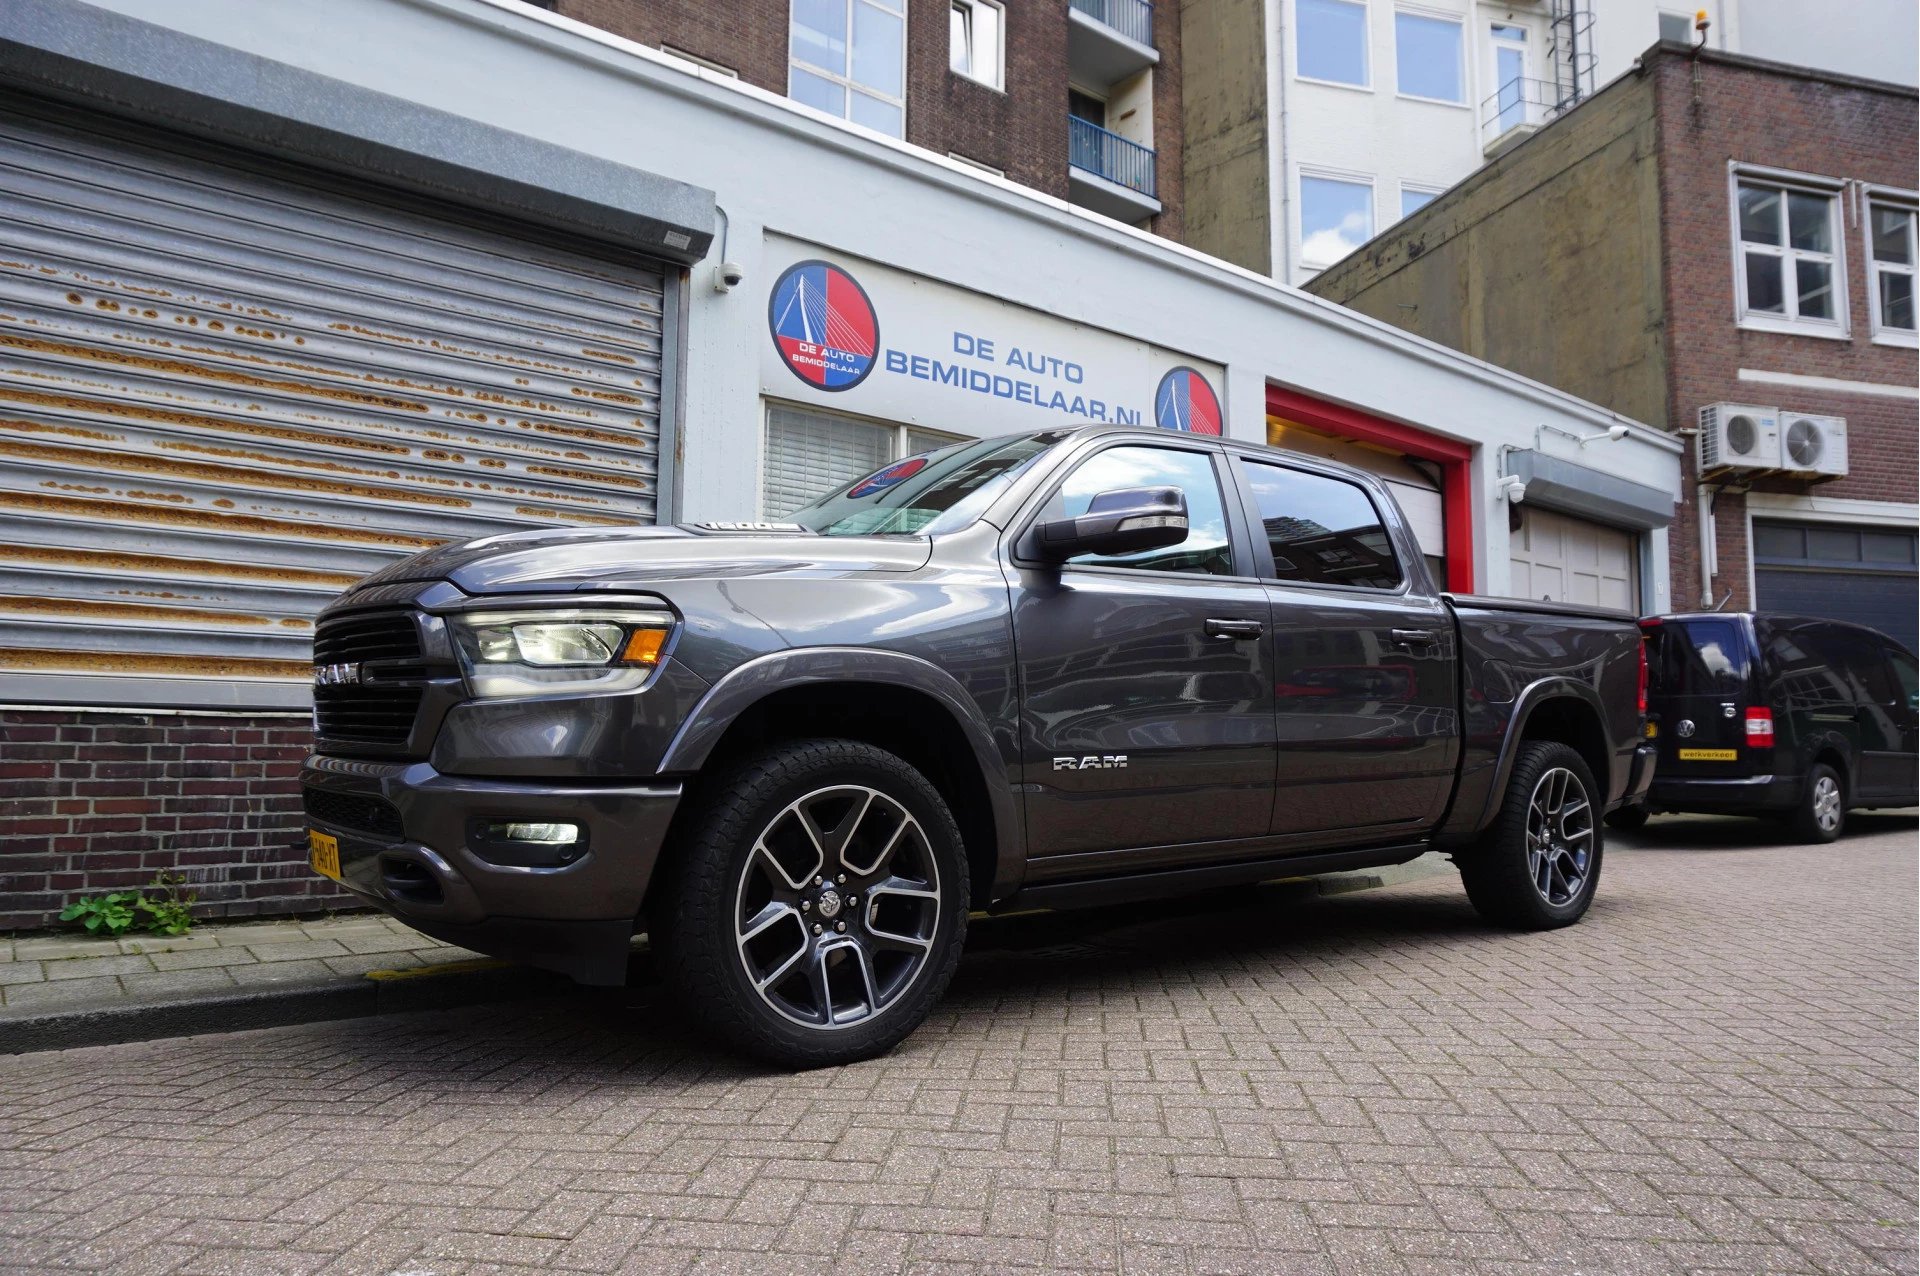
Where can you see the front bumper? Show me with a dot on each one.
(404, 848)
(1744, 795)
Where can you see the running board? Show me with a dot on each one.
(1094, 892)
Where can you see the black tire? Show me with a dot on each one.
(1822, 814)
(1500, 873)
(1628, 819)
(718, 887)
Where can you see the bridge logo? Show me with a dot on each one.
(1186, 402)
(824, 326)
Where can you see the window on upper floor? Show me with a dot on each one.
(1414, 198)
(1790, 274)
(1429, 57)
(1331, 41)
(1891, 248)
(978, 48)
(849, 58)
(1336, 217)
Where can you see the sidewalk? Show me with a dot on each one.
(62, 990)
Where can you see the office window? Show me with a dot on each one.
(1322, 531)
(810, 453)
(1891, 264)
(1332, 41)
(1428, 54)
(848, 58)
(1789, 270)
(1336, 217)
(977, 50)
(1413, 199)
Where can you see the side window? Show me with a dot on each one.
(1323, 531)
(1807, 671)
(1906, 676)
(1206, 549)
(1860, 659)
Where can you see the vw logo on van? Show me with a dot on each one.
(1684, 728)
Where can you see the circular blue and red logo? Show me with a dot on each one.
(1186, 402)
(882, 479)
(823, 325)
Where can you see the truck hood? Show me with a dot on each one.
(612, 558)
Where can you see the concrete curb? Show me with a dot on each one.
(277, 1007)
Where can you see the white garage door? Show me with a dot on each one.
(1571, 560)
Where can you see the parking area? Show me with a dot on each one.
(1714, 1072)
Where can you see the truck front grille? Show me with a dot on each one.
(369, 681)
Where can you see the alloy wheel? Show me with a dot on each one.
(836, 907)
(1560, 836)
(1826, 803)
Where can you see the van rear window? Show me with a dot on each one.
(1697, 658)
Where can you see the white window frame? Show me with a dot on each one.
(999, 81)
(1432, 15)
(1300, 174)
(1838, 328)
(848, 85)
(1417, 188)
(1366, 51)
(1908, 202)
(902, 445)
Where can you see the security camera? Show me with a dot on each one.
(1616, 432)
(1514, 488)
(727, 276)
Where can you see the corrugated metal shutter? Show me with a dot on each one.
(1861, 574)
(230, 387)
(809, 453)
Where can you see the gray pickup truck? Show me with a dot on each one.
(1038, 671)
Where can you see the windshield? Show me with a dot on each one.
(926, 494)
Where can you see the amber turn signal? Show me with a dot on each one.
(643, 647)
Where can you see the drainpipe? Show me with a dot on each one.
(1709, 547)
(1277, 73)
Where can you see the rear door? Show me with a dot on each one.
(1906, 717)
(1699, 679)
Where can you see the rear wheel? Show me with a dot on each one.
(1822, 812)
(1539, 864)
(818, 907)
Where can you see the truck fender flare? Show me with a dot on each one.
(1531, 697)
(741, 688)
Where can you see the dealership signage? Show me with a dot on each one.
(898, 347)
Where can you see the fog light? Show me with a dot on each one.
(551, 833)
(527, 843)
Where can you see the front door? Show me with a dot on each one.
(1886, 742)
(1146, 680)
(1904, 713)
(1366, 727)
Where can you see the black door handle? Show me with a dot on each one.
(1238, 629)
(1414, 638)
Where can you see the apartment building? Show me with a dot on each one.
(1078, 99)
(1313, 125)
(1724, 246)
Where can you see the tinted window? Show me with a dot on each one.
(1697, 658)
(1803, 676)
(1858, 659)
(1906, 676)
(1323, 531)
(1206, 548)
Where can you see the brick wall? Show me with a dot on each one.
(1807, 124)
(96, 801)
(1022, 132)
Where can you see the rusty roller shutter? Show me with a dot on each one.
(229, 388)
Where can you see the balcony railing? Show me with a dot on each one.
(1518, 104)
(1131, 18)
(1109, 155)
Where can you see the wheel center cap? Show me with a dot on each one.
(829, 905)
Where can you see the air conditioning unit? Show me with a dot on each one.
(1813, 446)
(1738, 436)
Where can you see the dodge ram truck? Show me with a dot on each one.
(1037, 671)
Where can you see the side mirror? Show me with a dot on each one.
(1124, 521)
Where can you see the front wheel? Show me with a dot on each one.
(818, 906)
(1538, 865)
(1822, 812)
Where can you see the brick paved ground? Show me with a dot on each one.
(1715, 1072)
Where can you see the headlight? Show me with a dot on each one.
(559, 652)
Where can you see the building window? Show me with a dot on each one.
(848, 58)
(1414, 198)
(1336, 217)
(1890, 260)
(1789, 274)
(810, 453)
(1332, 41)
(1428, 57)
(978, 45)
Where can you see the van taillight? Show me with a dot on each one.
(1643, 678)
(1759, 728)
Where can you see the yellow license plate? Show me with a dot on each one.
(1653, 731)
(323, 852)
(1709, 755)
